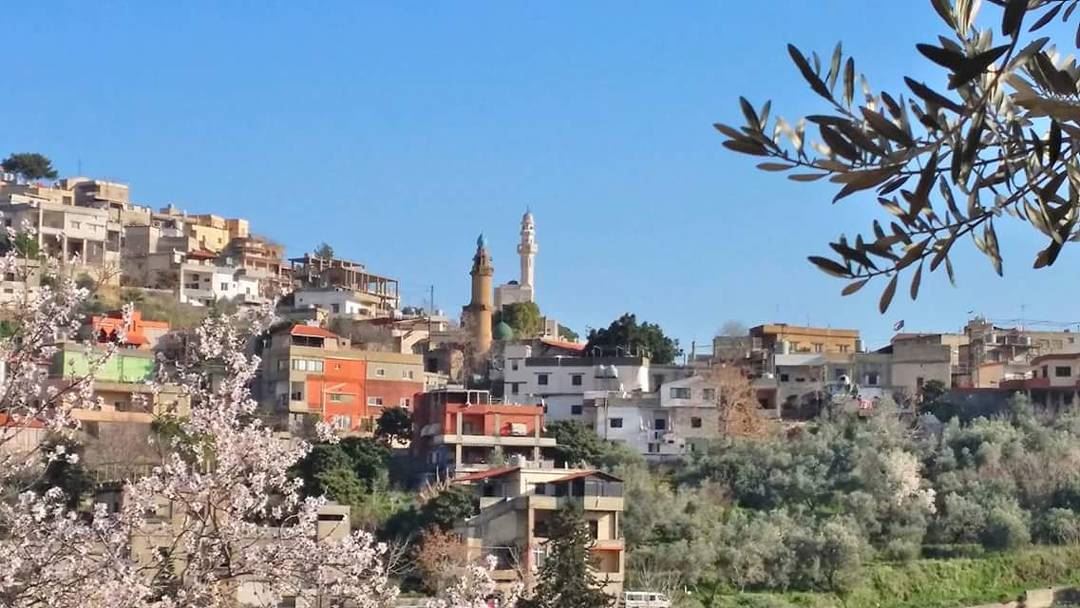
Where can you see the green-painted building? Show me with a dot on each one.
(123, 366)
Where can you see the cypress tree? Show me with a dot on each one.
(566, 579)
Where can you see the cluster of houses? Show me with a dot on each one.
(479, 397)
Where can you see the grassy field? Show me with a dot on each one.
(931, 583)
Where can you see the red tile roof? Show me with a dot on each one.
(312, 331)
(489, 474)
(575, 346)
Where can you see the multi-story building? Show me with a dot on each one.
(82, 238)
(560, 383)
(308, 371)
(121, 384)
(462, 431)
(1052, 381)
(517, 507)
(337, 301)
(994, 353)
(378, 294)
(262, 259)
(208, 231)
(203, 280)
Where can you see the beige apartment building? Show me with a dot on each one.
(995, 354)
(517, 505)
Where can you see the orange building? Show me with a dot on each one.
(140, 332)
(464, 431)
(307, 370)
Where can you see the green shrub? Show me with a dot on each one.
(959, 550)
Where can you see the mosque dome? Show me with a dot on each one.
(503, 331)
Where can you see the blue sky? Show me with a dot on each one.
(397, 131)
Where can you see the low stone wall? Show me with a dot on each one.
(1042, 598)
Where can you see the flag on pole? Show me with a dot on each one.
(898, 325)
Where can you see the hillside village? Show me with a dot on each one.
(481, 402)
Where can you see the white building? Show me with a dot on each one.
(560, 383)
(335, 300)
(204, 282)
(524, 289)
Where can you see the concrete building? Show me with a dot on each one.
(121, 385)
(517, 505)
(524, 289)
(476, 317)
(462, 431)
(560, 383)
(995, 353)
(207, 231)
(82, 238)
(261, 259)
(337, 301)
(203, 280)
(1052, 381)
(308, 371)
(379, 294)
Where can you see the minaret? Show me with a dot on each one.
(527, 250)
(480, 309)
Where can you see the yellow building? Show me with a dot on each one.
(784, 338)
(518, 504)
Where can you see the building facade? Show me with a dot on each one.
(517, 506)
(462, 431)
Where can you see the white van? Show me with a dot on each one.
(644, 599)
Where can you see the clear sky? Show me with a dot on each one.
(397, 131)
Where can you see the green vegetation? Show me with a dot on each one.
(393, 425)
(324, 251)
(625, 336)
(928, 583)
(578, 444)
(948, 164)
(523, 317)
(565, 579)
(565, 333)
(853, 501)
(30, 166)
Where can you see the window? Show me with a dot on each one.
(844, 348)
(1046, 371)
(654, 448)
(615, 423)
(872, 379)
(660, 424)
(783, 377)
(839, 372)
(380, 372)
(680, 392)
(296, 392)
(337, 397)
(575, 410)
(800, 379)
(342, 423)
(374, 401)
(513, 388)
(407, 373)
(919, 382)
(514, 365)
(542, 379)
(708, 394)
(575, 380)
(9, 276)
(283, 365)
(405, 402)
(307, 365)
(695, 423)
(594, 528)
(819, 347)
(1062, 371)
(541, 489)
(335, 308)
(225, 287)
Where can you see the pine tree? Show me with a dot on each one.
(566, 579)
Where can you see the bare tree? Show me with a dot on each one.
(738, 411)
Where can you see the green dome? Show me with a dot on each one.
(503, 331)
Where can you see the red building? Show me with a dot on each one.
(307, 370)
(465, 431)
